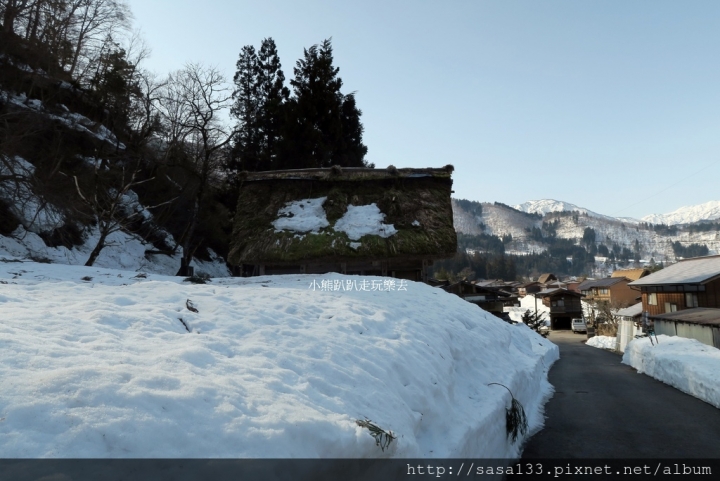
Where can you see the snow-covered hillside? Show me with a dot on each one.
(685, 215)
(500, 220)
(547, 206)
(110, 364)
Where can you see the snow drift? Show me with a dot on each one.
(686, 364)
(106, 363)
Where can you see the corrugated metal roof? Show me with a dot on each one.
(697, 270)
(697, 315)
(608, 281)
(632, 311)
(586, 284)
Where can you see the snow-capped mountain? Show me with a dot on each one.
(546, 206)
(524, 223)
(685, 215)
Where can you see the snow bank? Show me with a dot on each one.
(105, 363)
(686, 364)
(603, 342)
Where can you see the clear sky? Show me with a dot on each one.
(610, 105)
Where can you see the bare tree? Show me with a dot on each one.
(12, 10)
(109, 206)
(191, 104)
(606, 316)
(95, 23)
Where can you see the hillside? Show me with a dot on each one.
(687, 215)
(93, 169)
(561, 230)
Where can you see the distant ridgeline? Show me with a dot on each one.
(499, 241)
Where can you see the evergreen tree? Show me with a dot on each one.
(246, 148)
(535, 322)
(323, 126)
(272, 95)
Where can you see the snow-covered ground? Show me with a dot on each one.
(124, 251)
(528, 303)
(686, 364)
(107, 363)
(603, 342)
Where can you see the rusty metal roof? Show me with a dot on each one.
(697, 315)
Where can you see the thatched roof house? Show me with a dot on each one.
(392, 222)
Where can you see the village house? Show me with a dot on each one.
(385, 222)
(573, 284)
(545, 278)
(612, 290)
(632, 274)
(529, 288)
(564, 306)
(491, 299)
(684, 299)
(687, 284)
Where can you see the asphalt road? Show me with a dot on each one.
(604, 409)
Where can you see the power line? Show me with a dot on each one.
(666, 188)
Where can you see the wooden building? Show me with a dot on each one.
(491, 299)
(687, 284)
(564, 306)
(529, 288)
(386, 222)
(612, 290)
(548, 277)
(700, 323)
(632, 274)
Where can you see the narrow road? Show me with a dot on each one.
(604, 409)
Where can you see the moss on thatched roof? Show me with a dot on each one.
(415, 201)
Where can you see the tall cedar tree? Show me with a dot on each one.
(246, 148)
(272, 96)
(322, 126)
(259, 98)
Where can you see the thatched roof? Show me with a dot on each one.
(415, 203)
(632, 274)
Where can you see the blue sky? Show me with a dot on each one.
(610, 105)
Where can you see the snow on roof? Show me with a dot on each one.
(306, 215)
(697, 270)
(632, 311)
(360, 220)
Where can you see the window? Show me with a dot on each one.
(603, 291)
(652, 299)
(691, 299)
(670, 307)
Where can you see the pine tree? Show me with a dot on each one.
(535, 322)
(260, 96)
(323, 126)
(272, 95)
(246, 148)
